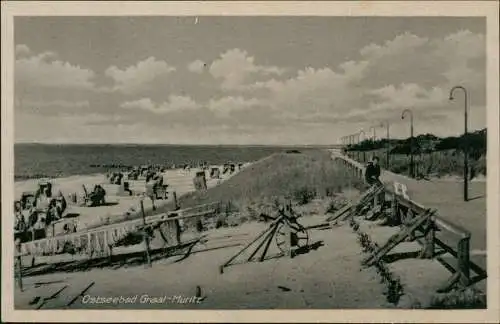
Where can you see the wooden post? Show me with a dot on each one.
(375, 199)
(395, 211)
(463, 261)
(410, 216)
(89, 245)
(430, 235)
(109, 246)
(289, 239)
(269, 239)
(19, 267)
(145, 235)
(174, 197)
(199, 224)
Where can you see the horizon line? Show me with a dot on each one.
(168, 144)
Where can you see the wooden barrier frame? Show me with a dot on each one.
(461, 252)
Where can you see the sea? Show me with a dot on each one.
(62, 160)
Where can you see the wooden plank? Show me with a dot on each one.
(71, 292)
(81, 294)
(429, 240)
(396, 239)
(463, 261)
(248, 245)
(36, 295)
(340, 212)
(361, 201)
(51, 297)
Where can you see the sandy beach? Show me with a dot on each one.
(178, 180)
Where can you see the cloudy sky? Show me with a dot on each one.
(243, 80)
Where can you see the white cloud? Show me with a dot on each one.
(174, 103)
(234, 67)
(409, 96)
(197, 66)
(22, 50)
(469, 45)
(226, 105)
(134, 77)
(406, 72)
(401, 44)
(315, 92)
(458, 51)
(45, 71)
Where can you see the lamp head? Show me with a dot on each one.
(451, 98)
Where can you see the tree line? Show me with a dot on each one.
(428, 143)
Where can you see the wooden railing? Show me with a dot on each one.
(405, 210)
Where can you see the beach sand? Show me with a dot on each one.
(117, 204)
(327, 277)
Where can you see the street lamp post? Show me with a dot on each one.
(353, 142)
(387, 146)
(357, 142)
(348, 139)
(364, 152)
(373, 136)
(465, 147)
(411, 139)
(374, 132)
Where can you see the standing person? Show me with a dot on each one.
(372, 177)
(372, 172)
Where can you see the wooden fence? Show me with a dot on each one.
(100, 241)
(406, 212)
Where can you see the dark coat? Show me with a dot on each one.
(372, 173)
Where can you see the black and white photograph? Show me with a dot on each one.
(203, 160)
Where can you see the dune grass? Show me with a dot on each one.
(440, 163)
(299, 177)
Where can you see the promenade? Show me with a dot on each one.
(447, 197)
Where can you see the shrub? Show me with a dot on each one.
(304, 195)
(221, 221)
(480, 165)
(334, 205)
(468, 298)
